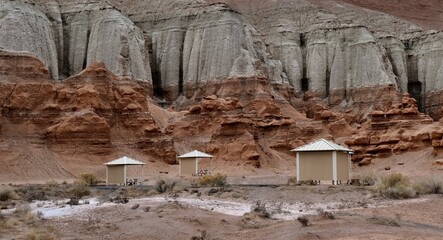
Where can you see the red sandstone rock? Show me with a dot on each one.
(364, 162)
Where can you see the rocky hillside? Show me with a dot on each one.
(243, 80)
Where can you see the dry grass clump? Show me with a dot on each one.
(7, 193)
(325, 214)
(80, 189)
(163, 186)
(26, 224)
(292, 181)
(261, 209)
(386, 221)
(367, 178)
(429, 186)
(396, 186)
(52, 184)
(88, 178)
(35, 234)
(216, 180)
(304, 220)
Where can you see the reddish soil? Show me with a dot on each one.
(425, 13)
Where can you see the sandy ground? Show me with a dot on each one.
(227, 214)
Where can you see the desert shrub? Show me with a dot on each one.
(52, 184)
(292, 181)
(216, 180)
(22, 210)
(88, 178)
(35, 234)
(429, 186)
(261, 209)
(367, 178)
(308, 182)
(201, 236)
(80, 189)
(7, 193)
(396, 186)
(11, 222)
(325, 214)
(304, 221)
(163, 186)
(380, 220)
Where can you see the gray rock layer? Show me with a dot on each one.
(180, 46)
(25, 28)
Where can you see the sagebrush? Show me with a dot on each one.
(367, 178)
(216, 180)
(7, 193)
(80, 189)
(292, 181)
(396, 186)
(163, 186)
(429, 186)
(261, 209)
(381, 220)
(89, 179)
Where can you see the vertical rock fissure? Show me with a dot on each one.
(64, 71)
(155, 69)
(180, 69)
(415, 87)
(85, 60)
(328, 81)
(304, 81)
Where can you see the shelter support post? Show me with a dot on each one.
(124, 179)
(196, 166)
(349, 166)
(107, 177)
(298, 166)
(141, 179)
(334, 166)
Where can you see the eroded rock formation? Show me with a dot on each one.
(243, 82)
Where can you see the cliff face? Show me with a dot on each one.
(242, 78)
(181, 47)
(25, 28)
(333, 48)
(68, 37)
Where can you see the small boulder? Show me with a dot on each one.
(135, 206)
(365, 161)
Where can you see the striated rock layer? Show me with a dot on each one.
(243, 82)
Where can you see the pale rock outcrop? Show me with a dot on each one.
(426, 69)
(345, 59)
(117, 42)
(212, 48)
(429, 53)
(243, 66)
(194, 48)
(106, 36)
(287, 49)
(396, 51)
(25, 28)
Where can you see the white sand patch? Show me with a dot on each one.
(220, 206)
(60, 208)
(282, 210)
(278, 210)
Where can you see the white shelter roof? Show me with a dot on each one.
(321, 145)
(125, 161)
(195, 154)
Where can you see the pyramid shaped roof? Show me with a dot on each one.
(195, 154)
(125, 161)
(321, 145)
